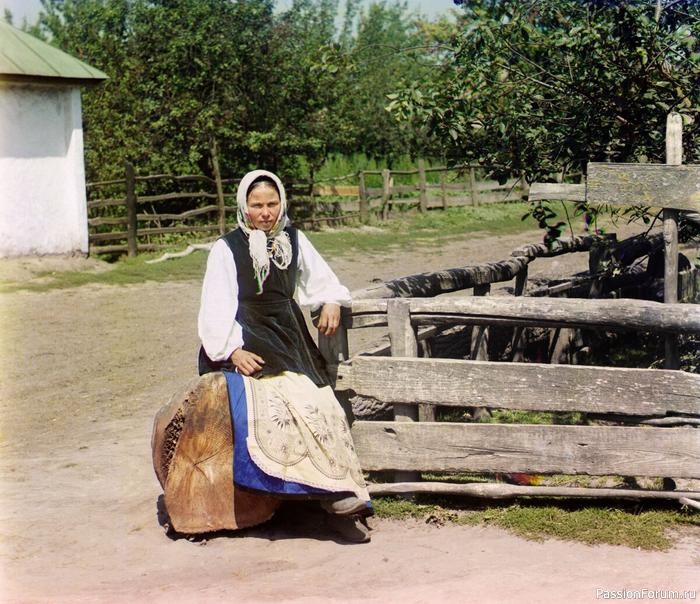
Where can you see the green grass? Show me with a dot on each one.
(652, 529)
(124, 272)
(431, 229)
(405, 232)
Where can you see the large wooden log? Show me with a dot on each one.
(526, 386)
(192, 446)
(594, 450)
(433, 283)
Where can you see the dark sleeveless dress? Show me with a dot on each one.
(272, 322)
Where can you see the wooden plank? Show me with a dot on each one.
(540, 191)
(640, 315)
(179, 178)
(150, 217)
(131, 200)
(422, 186)
(443, 190)
(674, 156)
(594, 450)
(508, 491)
(364, 200)
(655, 185)
(472, 187)
(176, 195)
(154, 231)
(104, 203)
(386, 193)
(403, 344)
(526, 386)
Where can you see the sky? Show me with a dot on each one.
(30, 8)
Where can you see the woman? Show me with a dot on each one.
(291, 436)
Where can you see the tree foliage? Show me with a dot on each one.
(543, 87)
(276, 89)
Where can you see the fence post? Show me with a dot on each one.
(403, 344)
(443, 190)
(364, 202)
(517, 342)
(472, 186)
(674, 157)
(481, 334)
(386, 192)
(219, 187)
(132, 224)
(422, 186)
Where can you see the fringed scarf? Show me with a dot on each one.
(263, 247)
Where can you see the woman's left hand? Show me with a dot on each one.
(329, 319)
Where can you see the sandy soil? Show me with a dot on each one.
(83, 373)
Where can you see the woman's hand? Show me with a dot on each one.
(329, 319)
(246, 362)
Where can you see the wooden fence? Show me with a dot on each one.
(656, 408)
(656, 412)
(127, 216)
(122, 222)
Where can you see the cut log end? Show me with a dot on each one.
(192, 447)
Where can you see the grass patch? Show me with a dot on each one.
(514, 416)
(430, 229)
(651, 530)
(124, 272)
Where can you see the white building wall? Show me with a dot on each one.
(43, 208)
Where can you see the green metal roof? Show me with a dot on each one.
(24, 58)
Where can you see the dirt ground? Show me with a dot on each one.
(83, 373)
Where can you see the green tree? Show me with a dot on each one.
(390, 50)
(544, 87)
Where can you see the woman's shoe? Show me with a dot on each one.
(350, 529)
(344, 507)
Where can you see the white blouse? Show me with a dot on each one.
(218, 329)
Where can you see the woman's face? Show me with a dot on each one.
(263, 207)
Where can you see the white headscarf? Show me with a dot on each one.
(263, 247)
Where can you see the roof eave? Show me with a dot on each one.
(49, 80)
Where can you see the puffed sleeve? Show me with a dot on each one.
(317, 282)
(218, 329)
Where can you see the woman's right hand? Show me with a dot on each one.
(247, 363)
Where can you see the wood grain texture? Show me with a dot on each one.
(404, 344)
(556, 191)
(655, 185)
(639, 315)
(198, 482)
(594, 450)
(508, 491)
(527, 386)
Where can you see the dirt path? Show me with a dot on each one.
(83, 373)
